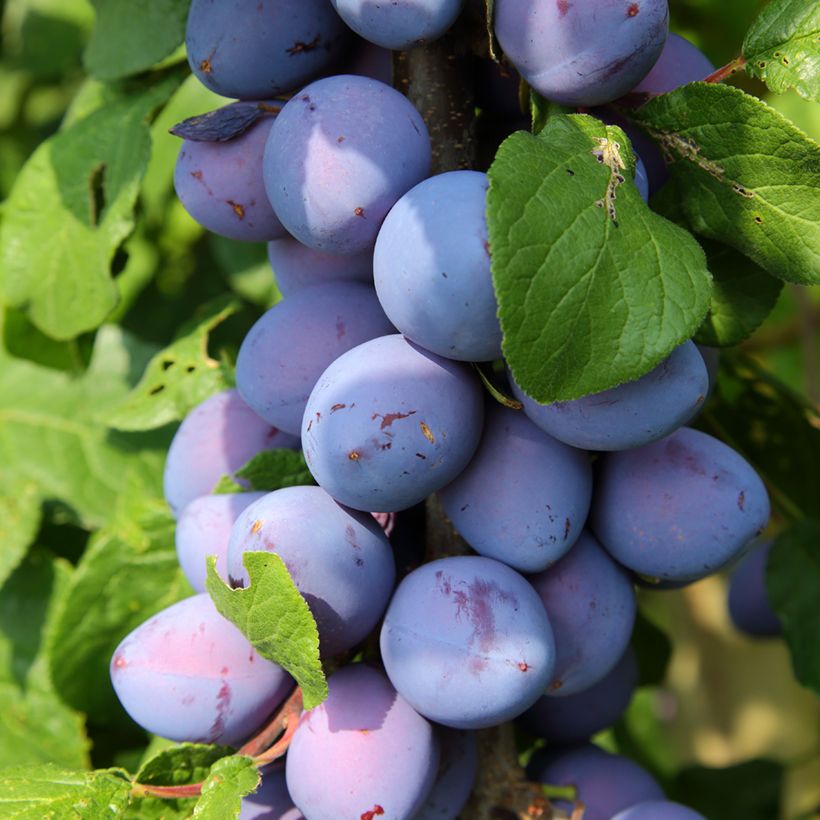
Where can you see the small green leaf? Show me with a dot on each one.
(541, 109)
(747, 176)
(20, 508)
(128, 573)
(594, 289)
(268, 471)
(34, 793)
(229, 780)
(273, 616)
(70, 208)
(771, 427)
(180, 765)
(782, 47)
(793, 583)
(743, 295)
(130, 37)
(179, 377)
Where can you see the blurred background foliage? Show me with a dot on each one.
(726, 701)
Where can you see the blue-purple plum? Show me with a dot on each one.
(467, 642)
(582, 53)
(576, 718)
(749, 606)
(188, 674)
(340, 154)
(399, 26)
(711, 358)
(369, 60)
(363, 753)
(388, 423)
(591, 606)
(606, 783)
(261, 50)
(216, 438)
(295, 266)
(431, 268)
(290, 346)
(658, 810)
(220, 184)
(339, 559)
(524, 497)
(680, 63)
(631, 414)
(271, 801)
(678, 509)
(456, 776)
(203, 529)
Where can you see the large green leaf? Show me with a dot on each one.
(268, 471)
(747, 176)
(594, 288)
(51, 436)
(179, 377)
(793, 583)
(20, 507)
(34, 793)
(70, 208)
(782, 47)
(132, 35)
(128, 572)
(272, 614)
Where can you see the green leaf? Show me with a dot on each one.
(541, 109)
(594, 289)
(229, 780)
(743, 295)
(268, 471)
(128, 573)
(776, 430)
(746, 791)
(782, 47)
(51, 436)
(130, 37)
(70, 208)
(273, 616)
(793, 584)
(653, 650)
(35, 725)
(20, 509)
(179, 377)
(180, 765)
(28, 793)
(747, 176)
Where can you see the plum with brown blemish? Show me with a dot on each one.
(591, 606)
(364, 752)
(524, 497)
(672, 510)
(289, 347)
(216, 438)
(339, 559)
(332, 195)
(253, 51)
(220, 185)
(632, 414)
(190, 675)
(582, 52)
(434, 407)
(467, 642)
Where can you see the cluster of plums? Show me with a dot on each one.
(365, 365)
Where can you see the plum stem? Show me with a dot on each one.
(724, 72)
